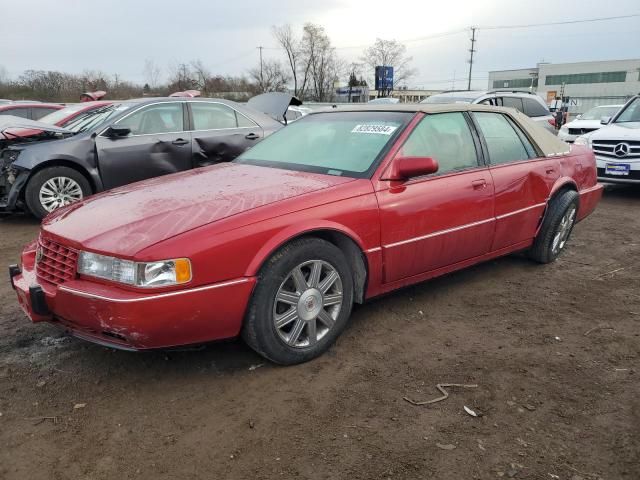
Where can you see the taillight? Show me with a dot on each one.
(552, 122)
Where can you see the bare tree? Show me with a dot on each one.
(151, 73)
(272, 77)
(320, 62)
(390, 53)
(291, 45)
(4, 76)
(181, 77)
(201, 74)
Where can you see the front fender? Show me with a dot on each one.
(293, 231)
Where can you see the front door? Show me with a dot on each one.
(157, 145)
(523, 178)
(220, 133)
(441, 219)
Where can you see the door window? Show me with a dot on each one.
(445, 137)
(503, 142)
(38, 113)
(17, 112)
(213, 116)
(512, 102)
(158, 118)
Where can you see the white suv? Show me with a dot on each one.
(588, 122)
(527, 102)
(617, 145)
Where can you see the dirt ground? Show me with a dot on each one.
(554, 351)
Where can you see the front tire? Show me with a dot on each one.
(301, 303)
(55, 187)
(556, 228)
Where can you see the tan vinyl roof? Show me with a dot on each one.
(546, 141)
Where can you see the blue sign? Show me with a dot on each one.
(384, 78)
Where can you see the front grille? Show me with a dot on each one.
(580, 131)
(633, 175)
(54, 262)
(606, 148)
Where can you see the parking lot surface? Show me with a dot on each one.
(554, 351)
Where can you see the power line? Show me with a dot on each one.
(566, 22)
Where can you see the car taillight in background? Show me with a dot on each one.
(552, 122)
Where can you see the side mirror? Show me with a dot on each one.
(115, 131)
(404, 168)
(605, 120)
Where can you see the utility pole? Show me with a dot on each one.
(472, 50)
(261, 76)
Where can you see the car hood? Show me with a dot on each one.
(584, 124)
(618, 131)
(12, 122)
(128, 219)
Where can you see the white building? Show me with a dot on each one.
(586, 84)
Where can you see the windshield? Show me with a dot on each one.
(447, 99)
(93, 118)
(599, 112)
(337, 143)
(631, 112)
(61, 114)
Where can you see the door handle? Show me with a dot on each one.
(252, 136)
(550, 170)
(479, 184)
(180, 141)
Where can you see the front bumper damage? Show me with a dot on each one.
(12, 182)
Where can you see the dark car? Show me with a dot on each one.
(30, 110)
(126, 142)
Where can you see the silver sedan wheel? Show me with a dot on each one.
(564, 229)
(307, 303)
(58, 192)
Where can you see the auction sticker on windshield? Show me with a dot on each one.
(617, 169)
(378, 129)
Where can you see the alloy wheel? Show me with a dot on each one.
(308, 303)
(564, 229)
(58, 192)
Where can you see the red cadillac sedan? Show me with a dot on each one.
(277, 245)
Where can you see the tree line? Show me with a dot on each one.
(311, 70)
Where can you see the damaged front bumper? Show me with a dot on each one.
(12, 182)
(127, 320)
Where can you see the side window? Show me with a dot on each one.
(244, 121)
(158, 118)
(18, 112)
(212, 116)
(446, 137)
(512, 102)
(38, 113)
(532, 108)
(503, 142)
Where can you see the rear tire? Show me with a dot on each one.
(301, 303)
(55, 187)
(556, 228)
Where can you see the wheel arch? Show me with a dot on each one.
(345, 239)
(60, 162)
(562, 185)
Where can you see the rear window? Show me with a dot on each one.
(532, 108)
(337, 143)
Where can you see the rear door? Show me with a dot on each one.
(440, 219)
(158, 144)
(523, 178)
(220, 133)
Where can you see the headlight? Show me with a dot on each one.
(564, 129)
(139, 274)
(583, 140)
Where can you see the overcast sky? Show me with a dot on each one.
(116, 36)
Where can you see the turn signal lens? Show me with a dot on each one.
(183, 270)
